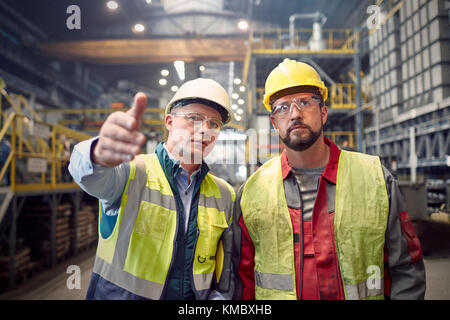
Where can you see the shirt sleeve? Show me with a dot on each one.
(106, 184)
(405, 270)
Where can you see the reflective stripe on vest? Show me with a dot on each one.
(361, 204)
(138, 253)
(274, 281)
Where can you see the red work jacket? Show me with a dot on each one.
(317, 272)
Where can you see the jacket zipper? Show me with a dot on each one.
(301, 240)
(191, 275)
(335, 258)
(301, 248)
(182, 271)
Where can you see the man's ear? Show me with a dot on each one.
(324, 114)
(274, 122)
(168, 121)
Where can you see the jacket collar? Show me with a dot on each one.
(172, 166)
(330, 171)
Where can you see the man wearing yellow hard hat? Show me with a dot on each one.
(164, 219)
(319, 222)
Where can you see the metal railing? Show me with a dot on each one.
(334, 40)
(342, 138)
(38, 151)
(343, 96)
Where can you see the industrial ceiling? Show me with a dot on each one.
(193, 31)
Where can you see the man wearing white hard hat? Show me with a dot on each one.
(163, 219)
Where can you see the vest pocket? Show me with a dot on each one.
(211, 224)
(150, 247)
(152, 220)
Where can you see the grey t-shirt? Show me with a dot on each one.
(308, 182)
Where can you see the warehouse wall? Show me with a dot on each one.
(408, 58)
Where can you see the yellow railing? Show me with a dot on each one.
(342, 138)
(343, 96)
(94, 125)
(89, 126)
(334, 40)
(39, 151)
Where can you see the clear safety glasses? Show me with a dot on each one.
(284, 109)
(193, 117)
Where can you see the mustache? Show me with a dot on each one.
(297, 123)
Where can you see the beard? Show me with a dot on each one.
(298, 142)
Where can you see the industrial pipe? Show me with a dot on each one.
(319, 20)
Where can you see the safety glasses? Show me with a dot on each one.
(193, 117)
(284, 109)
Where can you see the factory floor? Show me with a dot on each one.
(53, 284)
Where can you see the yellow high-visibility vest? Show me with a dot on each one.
(138, 253)
(360, 221)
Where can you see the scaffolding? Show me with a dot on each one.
(35, 167)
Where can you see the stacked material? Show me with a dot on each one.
(23, 262)
(36, 225)
(87, 226)
(385, 63)
(408, 57)
(424, 42)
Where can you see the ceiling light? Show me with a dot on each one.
(238, 118)
(235, 95)
(234, 106)
(138, 27)
(240, 101)
(148, 1)
(241, 88)
(112, 5)
(242, 171)
(202, 68)
(179, 66)
(162, 82)
(243, 25)
(174, 88)
(240, 111)
(237, 81)
(164, 72)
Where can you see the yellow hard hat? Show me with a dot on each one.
(291, 73)
(204, 89)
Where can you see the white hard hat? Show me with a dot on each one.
(210, 93)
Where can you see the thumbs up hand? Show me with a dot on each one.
(120, 139)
